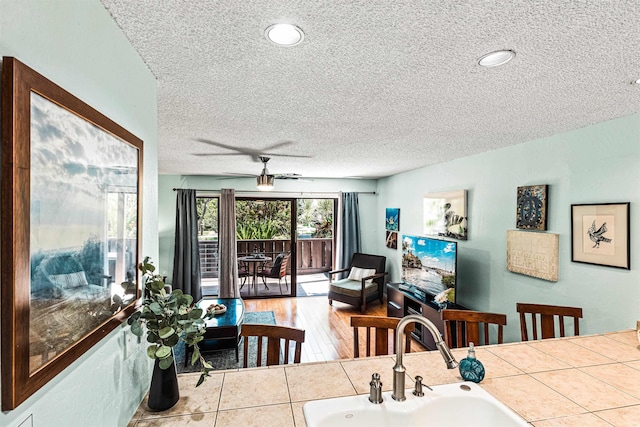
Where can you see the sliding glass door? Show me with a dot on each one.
(315, 244)
(285, 245)
(266, 247)
(207, 208)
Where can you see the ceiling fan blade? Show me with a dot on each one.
(288, 175)
(286, 155)
(217, 154)
(239, 175)
(254, 154)
(217, 144)
(238, 150)
(278, 145)
(293, 178)
(230, 175)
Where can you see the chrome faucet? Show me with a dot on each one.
(399, 371)
(375, 392)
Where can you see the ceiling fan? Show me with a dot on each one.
(255, 154)
(265, 179)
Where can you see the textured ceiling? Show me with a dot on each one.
(376, 87)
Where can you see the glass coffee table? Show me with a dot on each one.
(223, 330)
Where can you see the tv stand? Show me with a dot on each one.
(401, 303)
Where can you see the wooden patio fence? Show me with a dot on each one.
(313, 255)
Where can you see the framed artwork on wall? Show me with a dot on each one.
(445, 214)
(531, 211)
(600, 234)
(70, 229)
(392, 240)
(533, 254)
(392, 219)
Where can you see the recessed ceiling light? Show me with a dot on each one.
(494, 59)
(284, 34)
(637, 82)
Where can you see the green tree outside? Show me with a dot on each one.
(268, 219)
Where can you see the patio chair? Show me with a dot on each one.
(277, 271)
(364, 284)
(243, 273)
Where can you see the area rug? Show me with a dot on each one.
(226, 359)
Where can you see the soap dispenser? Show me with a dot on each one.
(471, 369)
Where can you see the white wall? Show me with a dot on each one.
(306, 188)
(595, 164)
(76, 44)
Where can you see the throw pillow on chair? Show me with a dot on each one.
(357, 273)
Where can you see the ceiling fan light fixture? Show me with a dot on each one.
(265, 179)
(497, 58)
(284, 34)
(265, 182)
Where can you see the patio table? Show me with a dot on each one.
(253, 261)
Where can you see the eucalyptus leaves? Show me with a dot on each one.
(168, 319)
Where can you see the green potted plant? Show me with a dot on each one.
(168, 319)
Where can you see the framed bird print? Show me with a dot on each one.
(600, 234)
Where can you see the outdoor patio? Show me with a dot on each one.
(308, 285)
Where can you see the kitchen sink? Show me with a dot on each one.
(459, 404)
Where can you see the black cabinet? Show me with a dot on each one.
(401, 303)
(395, 303)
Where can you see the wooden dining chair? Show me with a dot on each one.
(274, 335)
(547, 315)
(463, 326)
(381, 327)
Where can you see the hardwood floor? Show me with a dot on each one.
(329, 335)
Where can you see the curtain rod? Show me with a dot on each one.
(277, 192)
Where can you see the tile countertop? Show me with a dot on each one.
(579, 381)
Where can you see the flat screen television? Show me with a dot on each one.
(429, 264)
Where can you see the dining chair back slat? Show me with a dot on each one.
(466, 324)
(275, 335)
(547, 315)
(378, 327)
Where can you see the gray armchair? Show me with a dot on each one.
(364, 284)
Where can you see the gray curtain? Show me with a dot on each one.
(351, 242)
(228, 277)
(186, 255)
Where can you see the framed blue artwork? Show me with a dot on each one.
(392, 219)
(531, 212)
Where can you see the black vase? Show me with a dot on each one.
(163, 393)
